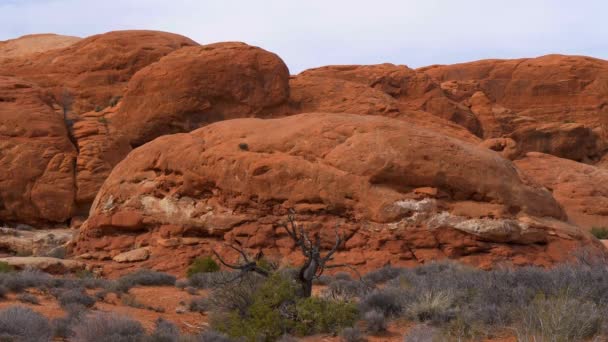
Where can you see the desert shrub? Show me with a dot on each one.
(164, 331)
(600, 232)
(98, 109)
(382, 275)
(375, 322)
(28, 298)
(559, 319)
(23, 324)
(19, 281)
(316, 315)
(236, 295)
(202, 265)
(130, 300)
(342, 289)
(144, 278)
(263, 317)
(387, 301)
(75, 296)
(5, 267)
(209, 280)
(422, 333)
(102, 327)
(342, 276)
(200, 304)
(62, 327)
(434, 306)
(352, 334)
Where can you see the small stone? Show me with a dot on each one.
(139, 254)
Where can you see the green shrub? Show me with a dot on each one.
(600, 232)
(316, 315)
(202, 265)
(262, 318)
(5, 267)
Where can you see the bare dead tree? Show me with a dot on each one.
(315, 263)
(314, 266)
(247, 266)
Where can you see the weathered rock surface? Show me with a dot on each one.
(99, 150)
(36, 157)
(95, 69)
(138, 254)
(46, 264)
(195, 86)
(404, 194)
(414, 90)
(581, 189)
(507, 95)
(33, 43)
(34, 242)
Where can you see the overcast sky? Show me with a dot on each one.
(309, 33)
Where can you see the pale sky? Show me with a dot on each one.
(310, 33)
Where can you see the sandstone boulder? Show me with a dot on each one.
(36, 157)
(96, 69)
(413, 90)
(581, 189)
(33, 43)
(236, 179)
(195, 86)
(552, 88)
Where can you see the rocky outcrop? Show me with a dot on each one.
(582, 190)
(403, 194)
(99, 150)
(34, 43)
(509, 96)
(195, 86)
(40, 242)
(412, 89)
(37, 158)
(89, 73)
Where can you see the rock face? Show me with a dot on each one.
(33, 43)
(412, 89)
(581, 189)
(34, 242)
(507, 95)
(99, 150)
(95, 69)
(404, 195)
(195, 86)
(37, 159)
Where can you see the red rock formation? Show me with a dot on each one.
(99, 150)
(36, 157)
(413, 90)
(95, 69)
(199, 85)
(34, 43)
(581, 189)
(508, 95)
(405, 195)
